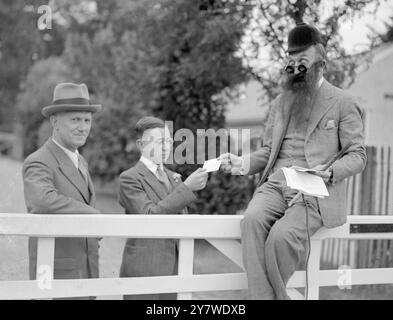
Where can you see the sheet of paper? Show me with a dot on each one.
(301, 169)
(305, 182)
(212, 165)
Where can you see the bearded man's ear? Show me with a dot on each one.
(323, 63)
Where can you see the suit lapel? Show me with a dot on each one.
(152, 180)
(281, 124)
(68, 169)
(174, 184)
(170, 177)
(92, 192)
(322, 104)
(89, 181)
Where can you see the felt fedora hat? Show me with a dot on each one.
(302, 37)
(69, 96)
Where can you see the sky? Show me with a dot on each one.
(355, 32)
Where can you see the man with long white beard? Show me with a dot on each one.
(309, 123)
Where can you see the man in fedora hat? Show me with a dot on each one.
(57, 181)
(309, 123)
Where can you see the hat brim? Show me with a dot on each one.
(52, 109)
(296, 49)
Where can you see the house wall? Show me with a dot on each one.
(374, 87)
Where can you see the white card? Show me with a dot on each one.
(212, 165)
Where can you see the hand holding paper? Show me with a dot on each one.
(231, 163)
(307, 183)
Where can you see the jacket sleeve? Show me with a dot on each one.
(256, 161)
(351, 131)
(134, 199)
(42, 196)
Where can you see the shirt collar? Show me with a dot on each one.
(150, 164)
(72, 155)
(320, 82)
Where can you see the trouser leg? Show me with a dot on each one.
(286, 243)
(266, 207)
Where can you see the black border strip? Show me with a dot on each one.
(371, 228)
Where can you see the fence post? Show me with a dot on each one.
(313, 270)
(186, 264)
(45, 262)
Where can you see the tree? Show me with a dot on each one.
(21, 44)
(36, 93)
(172, 59)
(269, 29)
(388, 36)
(169, 58)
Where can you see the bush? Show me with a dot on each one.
(224, 194)
(37, 92)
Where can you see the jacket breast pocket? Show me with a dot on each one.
(326, 135)
(329, 124)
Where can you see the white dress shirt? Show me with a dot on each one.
(74, 156)
(151, 165)
(320, 82)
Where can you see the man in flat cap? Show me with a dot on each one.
(57, 181)
(309, 123)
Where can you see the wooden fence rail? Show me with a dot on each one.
(221, 231)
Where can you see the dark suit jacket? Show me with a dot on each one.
(322, 142)
(142, 193)
(53, 185)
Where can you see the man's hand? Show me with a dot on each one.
(231, 163)
(197, 180)
(324, 174)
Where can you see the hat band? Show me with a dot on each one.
(81, 101)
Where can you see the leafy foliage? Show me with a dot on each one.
(21, 45)
(37, 93)
(271, 23)
(388, 36)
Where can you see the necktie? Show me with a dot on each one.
(162, 176)
(83, 171)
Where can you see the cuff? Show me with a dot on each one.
(187, 193)
(331, 179)
(245, 165)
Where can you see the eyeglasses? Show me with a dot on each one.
(161, 141)
(291, 69)
(301, 67)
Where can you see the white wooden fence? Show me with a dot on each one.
(222, 232)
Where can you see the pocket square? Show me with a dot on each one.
(330, 124)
